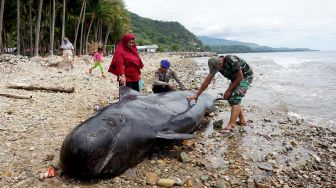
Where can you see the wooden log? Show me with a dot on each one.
(15, 96)
(44, 88)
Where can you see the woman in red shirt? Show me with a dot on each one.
(126, 63)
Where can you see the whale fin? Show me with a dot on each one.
(126, 91)
(174, 136)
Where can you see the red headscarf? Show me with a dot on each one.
(126, 60)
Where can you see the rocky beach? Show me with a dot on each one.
(274, 150)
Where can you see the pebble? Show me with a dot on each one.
(161, 163)
(220, 184)
(218, 124)
(188, 143)
(232, 161)
(265, 166)
(177, 181)
(294, 143)
(188, 183)
(211, 114)
(151, 178)
(260, 185)
(157, 172)
(166, 182)
(184, 157)
(183, 171)
(317, 158)
(204, 178)
(267, 120)
(286, 186)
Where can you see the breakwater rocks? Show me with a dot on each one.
(194, 54)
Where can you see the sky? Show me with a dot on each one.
(275, 23)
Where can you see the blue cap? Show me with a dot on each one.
(165, 64)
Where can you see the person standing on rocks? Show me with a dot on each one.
(67, 51)
(241, 75)
(162, 77)
(126, 63)
(98, 59)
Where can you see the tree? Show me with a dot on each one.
(77, 27)
(82, 32)
(52, 33)
(18, 31)
(38, 24)
(63, 22)
(2, 7)
(37, 29)
(31, 31)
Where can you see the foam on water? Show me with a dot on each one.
(300, 83)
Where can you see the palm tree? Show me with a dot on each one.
(52, 33)
(82, 32)
(63, 22)
(37, 29)
(106, 14)
(27, 27)
(18, 46)
(31, 31)
(2, 7)
(77, 27)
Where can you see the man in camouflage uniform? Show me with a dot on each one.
(240, 74)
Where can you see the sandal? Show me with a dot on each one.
(226, 130)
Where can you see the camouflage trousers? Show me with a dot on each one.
(239, 91)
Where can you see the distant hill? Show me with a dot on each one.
(169, 36)
(231, 46)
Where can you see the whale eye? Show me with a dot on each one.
(111, 123)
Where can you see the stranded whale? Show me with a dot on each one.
(118, 136)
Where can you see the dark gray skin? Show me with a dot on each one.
(118, 136)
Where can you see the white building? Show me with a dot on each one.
(148, 48)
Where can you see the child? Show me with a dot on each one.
(98, 58)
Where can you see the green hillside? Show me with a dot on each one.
(169, 36)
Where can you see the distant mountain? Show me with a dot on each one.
(231, 46)
(169, 36)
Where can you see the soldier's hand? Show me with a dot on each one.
(192, 98)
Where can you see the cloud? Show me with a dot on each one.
(275, 23)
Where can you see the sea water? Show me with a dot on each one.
(303, 84)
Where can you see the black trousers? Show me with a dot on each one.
(133, 85)
(161, 89)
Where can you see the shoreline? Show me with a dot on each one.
(274, 150)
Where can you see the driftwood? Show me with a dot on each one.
(15, 96)
(45, 88)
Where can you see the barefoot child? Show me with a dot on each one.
(98, 59)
